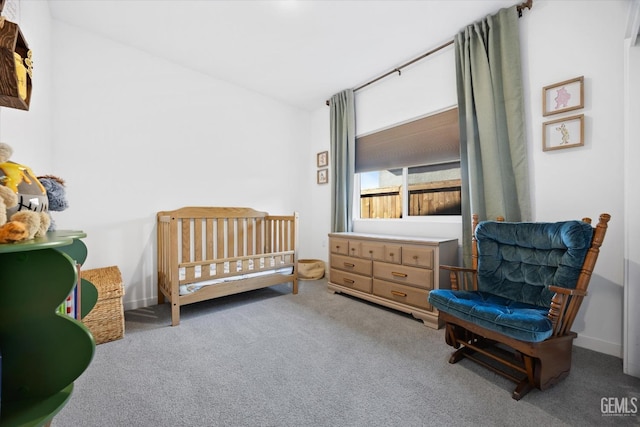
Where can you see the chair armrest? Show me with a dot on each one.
(456, 268)
(564, 307)
(465, 279)
(565, 291)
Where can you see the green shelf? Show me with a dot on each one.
(43, 351)
(77, 250)
(53, 239)
(89, 297)
(35, 412)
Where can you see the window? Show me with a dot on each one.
(412, 169)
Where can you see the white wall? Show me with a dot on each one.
(631, 340)
(134, 134)
(318, 196)
(589, 180)
(558, 42)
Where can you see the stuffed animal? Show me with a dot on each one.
(36, 223)
(12, 231)
(23, 223)
(57, 195)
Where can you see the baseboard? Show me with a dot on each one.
(632, 369)
(600, 346)
(146, 302)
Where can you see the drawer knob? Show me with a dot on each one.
(396, 274)
(349, 265)
(391, 254)
(398, 294)
(349, 281)
(415, 257)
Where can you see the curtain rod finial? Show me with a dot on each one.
(526, 5)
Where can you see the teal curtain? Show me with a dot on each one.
(343, 149)
(493, 150)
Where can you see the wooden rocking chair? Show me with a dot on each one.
(513, 311)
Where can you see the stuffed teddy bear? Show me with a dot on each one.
(23, 223)
(57, 195)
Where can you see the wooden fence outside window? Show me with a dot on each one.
(434, 198)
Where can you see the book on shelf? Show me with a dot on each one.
(70, 305)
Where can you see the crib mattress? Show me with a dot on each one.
(193, 287)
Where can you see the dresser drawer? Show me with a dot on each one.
(417, 256)
(339, 246)
(352, 265)
(402, 294)
(373, 250)
(392, 253)
(413, 276)
(355, 248)
(350, 280)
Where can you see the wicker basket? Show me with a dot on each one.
(310, 269)
(106, 320)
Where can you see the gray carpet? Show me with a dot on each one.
(270, 358)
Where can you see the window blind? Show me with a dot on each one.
(430, 140)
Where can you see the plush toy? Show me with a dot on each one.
(57, 195)
(28, 217)
(12, 231)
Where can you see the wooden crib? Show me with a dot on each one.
(210, 252)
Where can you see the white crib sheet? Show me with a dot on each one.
(193, 287)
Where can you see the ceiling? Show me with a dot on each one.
(299, 52)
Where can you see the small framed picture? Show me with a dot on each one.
(563, 96)
(323, 176)
(323, 159)
(563, 133)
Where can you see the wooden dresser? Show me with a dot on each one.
(397, 272)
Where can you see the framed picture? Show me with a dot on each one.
(563, 133)
(323, 176)
(323, 159)
(563, 96)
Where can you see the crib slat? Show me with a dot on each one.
(259, 236)
(242, 224)
(197, 240)
(209, 233)
(186, 238)
(250, 236)
(285, 235)
(220, 253)
(231, 252)
(270, 245)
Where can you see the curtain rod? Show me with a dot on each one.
(526, 5)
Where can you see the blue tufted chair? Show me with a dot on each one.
(517, 304)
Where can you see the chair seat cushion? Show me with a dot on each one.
(518, 320)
